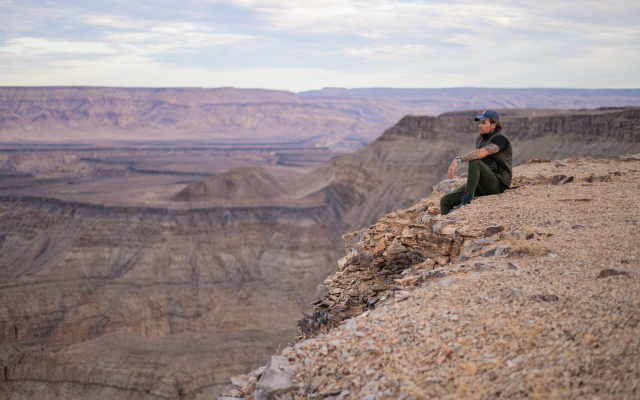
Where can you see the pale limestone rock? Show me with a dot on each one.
(409, 233)
(475, 245)
(274, 381)
(240, 380)
(449, 230)
(348, 236)
(352, 325)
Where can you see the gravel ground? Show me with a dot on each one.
(557, 320)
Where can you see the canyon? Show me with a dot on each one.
(158, 269)
(341, 119)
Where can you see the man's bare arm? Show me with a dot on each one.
(480, 153)
(491, 149)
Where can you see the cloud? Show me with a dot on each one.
(26, 46)
(346, 42)
(114, 22)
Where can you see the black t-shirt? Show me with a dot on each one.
(500, 141)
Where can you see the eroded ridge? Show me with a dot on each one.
(541, 299)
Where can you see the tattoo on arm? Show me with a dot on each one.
(492, 148)
(473, 155)
(480, 153)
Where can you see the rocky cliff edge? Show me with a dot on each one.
(533, 293)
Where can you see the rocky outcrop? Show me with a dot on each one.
(376, 257)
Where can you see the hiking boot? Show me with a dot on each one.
(465, 200)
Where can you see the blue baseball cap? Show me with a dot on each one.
(488, 114)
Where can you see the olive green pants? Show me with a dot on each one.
(481, 181)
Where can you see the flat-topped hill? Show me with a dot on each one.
(438, 101)
(243, 184)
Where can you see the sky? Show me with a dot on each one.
(300, 45)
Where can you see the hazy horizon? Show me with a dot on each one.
(328, 88)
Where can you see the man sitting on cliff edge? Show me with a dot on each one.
(489, 165)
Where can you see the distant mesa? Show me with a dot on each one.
(237, 184)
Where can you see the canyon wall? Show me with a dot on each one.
(137, 303)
